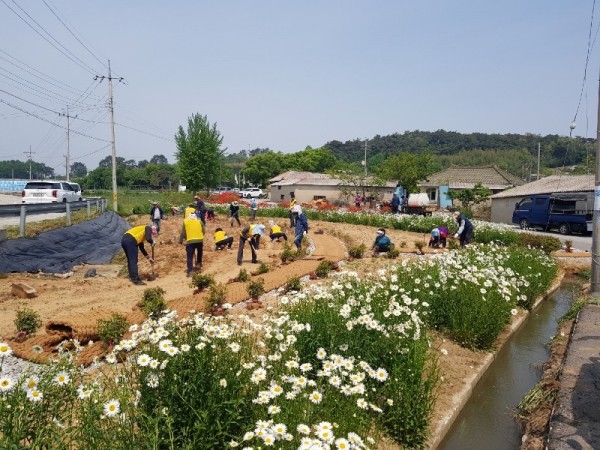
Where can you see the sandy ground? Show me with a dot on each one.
(76, 295)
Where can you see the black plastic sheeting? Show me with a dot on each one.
(94, 242)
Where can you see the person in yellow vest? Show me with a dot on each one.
(192, 232)
(276, 232)
(132, 241)
(292, 216)
(222, 240)
(250, 233)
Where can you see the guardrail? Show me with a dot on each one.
(23, 210)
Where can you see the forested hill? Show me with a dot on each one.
(513, 152)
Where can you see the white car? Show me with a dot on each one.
(252, 192)
(48, 191)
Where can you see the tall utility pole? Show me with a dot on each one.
(112, 129)
(538, 171)
(29, 153)
(365, 160)
(68, 155)
(595, 278)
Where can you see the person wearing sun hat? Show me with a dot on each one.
(465, 229)
(234, 213)
(251, 233)
(276, 232)
(156, 215)
(382, 243)
(301, 226)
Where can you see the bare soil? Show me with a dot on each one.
(75, 296)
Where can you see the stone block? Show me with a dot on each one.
(23, 290)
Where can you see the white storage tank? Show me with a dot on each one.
(418, 200)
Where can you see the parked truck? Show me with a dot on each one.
(566, 213)
(418, 204)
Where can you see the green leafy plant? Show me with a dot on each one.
(453, 244)
(569, 246)
(216, 295)
(392, 253)
(403, 244)
(153, 302)
(110, 331)
(256, 288)
(357, 252)
(324, 268)
(263, 268)
(419, 245)
(202, 281)
(548, 244)
(293, 284)
(27, 321)
(288, 254)
(242, 277)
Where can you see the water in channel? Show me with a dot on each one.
(486, 422)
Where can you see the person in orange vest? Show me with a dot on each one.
(276, 232)
(222, 240)
(192, 232)
(132, 241)
(250, 233)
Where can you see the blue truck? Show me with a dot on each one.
(567, 213)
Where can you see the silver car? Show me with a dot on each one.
(48, 191)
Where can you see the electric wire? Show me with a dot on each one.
(145, 132)
(43, 90)
(49, 121)
(69, 55)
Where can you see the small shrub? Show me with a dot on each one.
(256, 288)
(202, 281)
(27, 321)
(216, 295)
(548, 244)
(263, 268)
(453, 244)
(574, 309)
(357, 252)
(586, 274)
(419, 245)
(293, 284)
(403, 244)
(392, 253)
(243, 276)
(287, 254)
(569, 246)
(110, 331)
(324, 268)
(153, 302)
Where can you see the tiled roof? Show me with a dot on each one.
(293, 175)
(487, 175)
(551, 184)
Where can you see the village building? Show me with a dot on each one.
(503, 203)
(455, 178)
(307, 187)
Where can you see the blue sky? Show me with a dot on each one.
(284, 75)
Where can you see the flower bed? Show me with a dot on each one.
(343, 364)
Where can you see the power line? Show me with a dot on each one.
(73, 34)
(49, 121)
(43, 75)
(145, 132)
(44, 91)
(68, 54)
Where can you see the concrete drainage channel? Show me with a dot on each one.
(486, 421)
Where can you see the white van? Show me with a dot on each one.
(77, 189)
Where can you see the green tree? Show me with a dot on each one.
(470, 197)
(408, 169)
(199, 154)
(264, 166)
(78, 170)
(159, 159)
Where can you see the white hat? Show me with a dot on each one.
(192, 216)
(271, 223)
(259, 229)
(297, 209)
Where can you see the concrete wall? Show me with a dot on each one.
(502, 209)
(307, 193)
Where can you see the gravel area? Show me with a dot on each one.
(15, 367)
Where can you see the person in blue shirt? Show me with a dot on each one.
(395, 204)
(382, 243)
(301, 225)
(465, 229)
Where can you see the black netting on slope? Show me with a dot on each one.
(57, 251)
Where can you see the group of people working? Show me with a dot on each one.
(193, 232)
